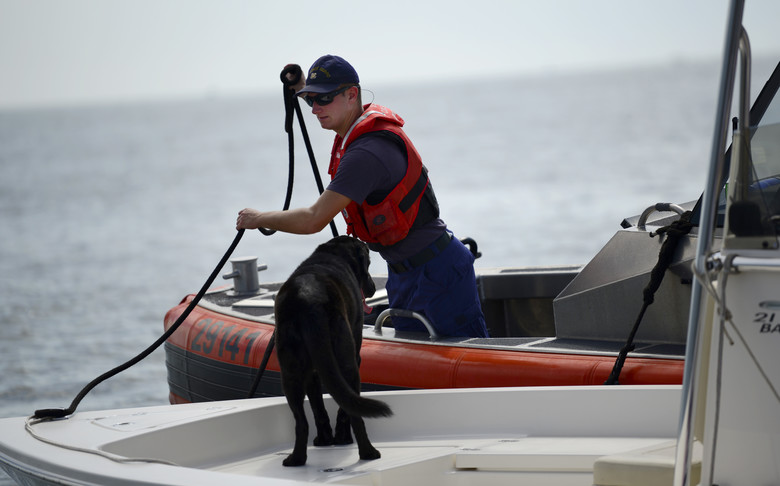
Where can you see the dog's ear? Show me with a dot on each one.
(355, 253)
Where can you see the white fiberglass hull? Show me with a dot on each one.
(548, 435)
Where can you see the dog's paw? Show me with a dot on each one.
(370, 454)
(293, 461)
(343, 436)
(324, 439)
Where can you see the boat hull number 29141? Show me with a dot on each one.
(217, 338)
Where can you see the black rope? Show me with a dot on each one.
(290, 76)
(263, 364)
(53, 413)
(674, 233)
(288, 95)
(290, 105)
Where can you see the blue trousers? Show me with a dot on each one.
(444, 290)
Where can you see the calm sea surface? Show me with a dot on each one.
(110, 215)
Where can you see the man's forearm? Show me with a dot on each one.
(296, 221)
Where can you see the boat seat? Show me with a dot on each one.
(518, 302)
(648, 466)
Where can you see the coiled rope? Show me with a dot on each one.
(290, 76)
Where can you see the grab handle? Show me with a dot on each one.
(404, 313)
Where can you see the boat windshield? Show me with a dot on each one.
(756, 205)
(764, 178)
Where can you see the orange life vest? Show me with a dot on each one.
(389, 221)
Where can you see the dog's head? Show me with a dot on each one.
(355, 252)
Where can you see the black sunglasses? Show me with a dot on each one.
(325, 98)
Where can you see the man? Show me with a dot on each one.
(380, 186)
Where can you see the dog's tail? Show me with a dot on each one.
(329, 372)
(355, 404)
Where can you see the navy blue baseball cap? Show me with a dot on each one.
(327, 74)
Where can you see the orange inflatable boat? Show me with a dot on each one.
(548, 326)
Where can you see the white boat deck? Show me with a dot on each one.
(496, 461)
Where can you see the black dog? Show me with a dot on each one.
(319, 326)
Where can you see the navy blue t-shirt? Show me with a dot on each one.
(369, 169)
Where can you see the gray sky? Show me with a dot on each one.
(92, 51)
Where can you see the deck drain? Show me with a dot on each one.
(332, 469)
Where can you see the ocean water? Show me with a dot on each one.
(110, 215)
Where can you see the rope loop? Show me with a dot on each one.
(291, 75)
